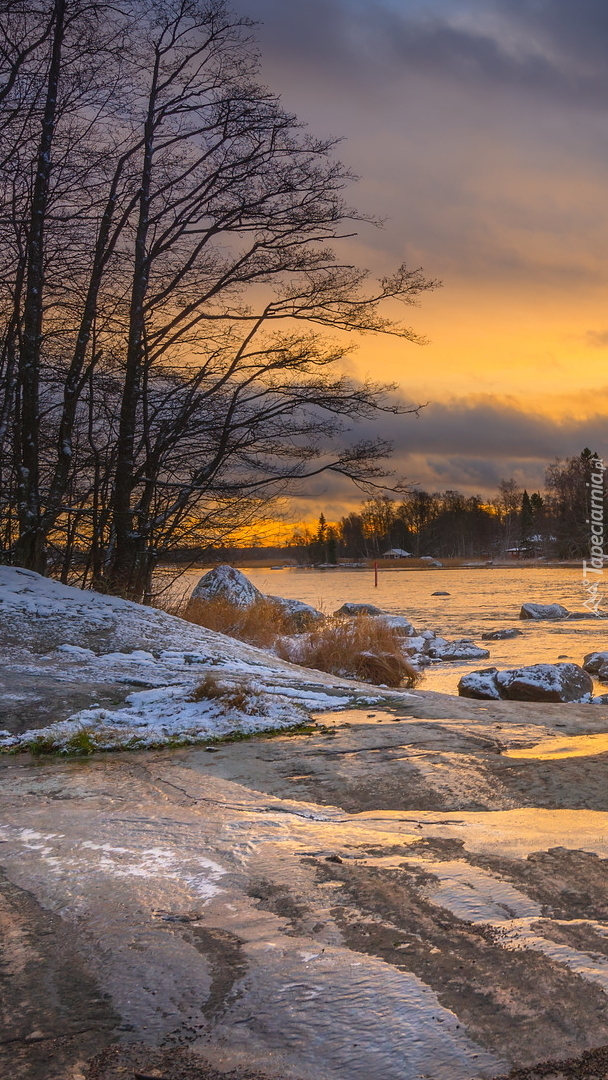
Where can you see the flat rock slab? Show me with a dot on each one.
(140, 1061)
(54, 1013)
(387, 898)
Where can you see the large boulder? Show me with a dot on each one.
(543, 611)
(226, 583)
(595, 661)
(538, 682)
(480, 684)
(358, 609)
(298, 615)
(501, 635)
(230, 585)
(546, 682)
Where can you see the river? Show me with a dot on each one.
(479, 600)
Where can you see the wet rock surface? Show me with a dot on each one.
(53, 1013)
(390, 897)
(543, 611)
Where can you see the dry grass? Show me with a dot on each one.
(259, 624)
(362, 648)
(240, 697)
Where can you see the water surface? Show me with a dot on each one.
(480, 600)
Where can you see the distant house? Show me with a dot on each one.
(396, 553)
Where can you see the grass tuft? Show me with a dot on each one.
(363, 648)
(259, 624)
(240, 696)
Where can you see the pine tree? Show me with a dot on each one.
(526, 521)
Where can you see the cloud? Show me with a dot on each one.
(597, 339)
(474, 124)
(469, 444)
(554, 47)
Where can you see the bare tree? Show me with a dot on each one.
(170, 293)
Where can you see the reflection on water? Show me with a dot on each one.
(555, 749)
(480, 600)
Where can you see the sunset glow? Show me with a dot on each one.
(476, 132)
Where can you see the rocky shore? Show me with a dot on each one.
(410, 885)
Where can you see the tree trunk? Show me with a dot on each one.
(30, 548)
(124, 574)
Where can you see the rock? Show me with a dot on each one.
(501, 635)
(545, 682)
(226, 583)
(480, 684)
(538, 682)
(601, 699)
(440, 592)
(464, 649)
(415, 644)
(587, 615)
(358, 609)
(300, 616)
(594, 661)
(543, 611)
(399, 623)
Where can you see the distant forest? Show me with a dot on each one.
(449, 524)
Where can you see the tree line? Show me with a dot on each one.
(168, 277)
(449, 524)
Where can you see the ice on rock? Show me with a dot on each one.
(538, 682)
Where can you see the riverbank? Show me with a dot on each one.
(393, 892)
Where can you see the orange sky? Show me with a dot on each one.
(478, 129)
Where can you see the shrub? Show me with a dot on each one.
(259, 624)
(362, 648)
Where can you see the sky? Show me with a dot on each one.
(479, 132)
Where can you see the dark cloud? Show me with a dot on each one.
(556, 47)
(484, 428)
(471, 445)
(476, 126)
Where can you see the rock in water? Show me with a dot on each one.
(464, 649)
(538, 682)
(546, 682)
(226, 583)
(358, 609)
(480, 684)
(595, 661)
(543, 611)
(501, 635)
(399, 623)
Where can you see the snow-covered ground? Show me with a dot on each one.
(54, 638)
